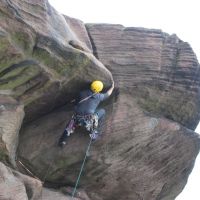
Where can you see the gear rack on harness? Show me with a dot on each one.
(90, 122)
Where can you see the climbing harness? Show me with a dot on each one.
(81, 170)
(90, 121)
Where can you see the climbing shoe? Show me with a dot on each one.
(62, 143)
(94, 135)
(63, 138)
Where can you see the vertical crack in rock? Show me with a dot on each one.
(92, 43)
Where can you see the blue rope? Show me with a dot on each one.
(81, 170)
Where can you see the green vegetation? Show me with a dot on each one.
(8, 54)
(44, 56)
(4, 44)
(13, 73)
(3, 156)
(22, 40)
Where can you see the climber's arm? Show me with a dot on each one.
(104, 96)
(109, 92)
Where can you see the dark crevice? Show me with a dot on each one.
(12, 78)
(92, 43)
(15, 11)
(76, 45)
(18, 65)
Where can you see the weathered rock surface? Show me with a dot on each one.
(160, 70)
(16, 186)
(137, 157)
(49, 194)
(42, 60)
(11, 116)
(148, 146)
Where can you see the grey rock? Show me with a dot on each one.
(11, 117)
(16, 186)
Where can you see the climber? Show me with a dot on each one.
(86, 113)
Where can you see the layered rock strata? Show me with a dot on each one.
(148, 146)
(160, 70)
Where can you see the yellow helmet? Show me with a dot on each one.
(96, 86)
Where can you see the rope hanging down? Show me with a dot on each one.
(50, 165)
(81, 170)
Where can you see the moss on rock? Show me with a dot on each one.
(3, 155)
(65, 65)
(8, 54)
(22, 40)
(18, 76)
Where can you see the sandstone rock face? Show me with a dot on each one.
(11, 116)
(148, 146)
(52, 194)
(49, 194)
(42, 58)
(160, 70)
(16, 186)
(139, 160)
